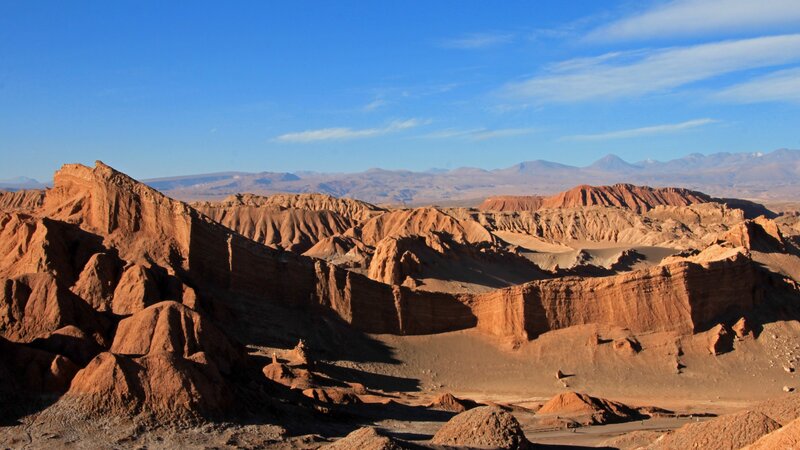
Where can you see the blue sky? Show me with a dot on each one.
(171, 88)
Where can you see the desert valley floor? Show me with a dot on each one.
(615, 316)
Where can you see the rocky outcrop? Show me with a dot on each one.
(70, 341)
(588, 410)
(353, 210)
(786, 437)
(683, 296)
(201, 253)
(636, 198)
(36, 305)
(167, 364)
(161, 387)
(292, 229)
(692, 226)
(449, 402)
(397, 258)
(728, 432)
(720, 340)
(135, 291)
(421, 222)
(26, 200)
(368, 438)
(98, 280)
(174, 328)
(760, 234)
(32, 371)
(483, 427)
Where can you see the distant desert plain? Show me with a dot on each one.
(649, 305)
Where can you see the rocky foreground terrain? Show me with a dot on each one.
(615, 316)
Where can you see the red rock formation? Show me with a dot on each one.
(627, 346)
(174, 328)
(34, 370)
(71, 342)
(143, 225)
(135, 291)
(334, 396)
(291, 229)
(448, 402)
(691, 226)
(720, 340)
(742, 328)
(163, 387)
(760, 234)
(682, 296)
(637, 198)
(167, 363)
(421, 222)
(354, 210)
(587, 409)
(97, 281)
(26, 200)
(397, 258)
(36, 305)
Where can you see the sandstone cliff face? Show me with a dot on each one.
(636, 198)
(759, 234)
(684, 297)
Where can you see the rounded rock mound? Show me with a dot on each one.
(171, 327)
(367, 438)
(732, 431)
(483, 427)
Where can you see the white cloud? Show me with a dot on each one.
(630, 74)
(643, 131)
(375, 104)
(477, 41)
(780, 86)
(328, 134)
(701, 17)
(479, 134)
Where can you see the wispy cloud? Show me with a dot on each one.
(477, 41)
(479, 134)
(643, 131)
(630, 74)
(780, 86)
(375, 104)
(341, 133)
(700, 17)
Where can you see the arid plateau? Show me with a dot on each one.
(617, 316)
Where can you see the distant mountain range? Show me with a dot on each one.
(19, 183)
(772, 176)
